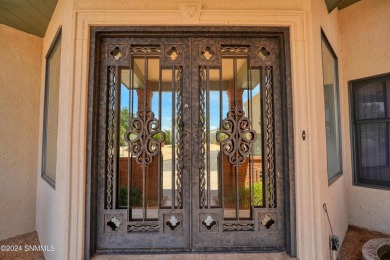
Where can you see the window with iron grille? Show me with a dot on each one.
(370, 113)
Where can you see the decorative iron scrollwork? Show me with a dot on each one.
(236, 136)
(143, 228)
(145, 49)
(144, 136)
(209, 222)
(202, 122)
(207, 53)
(117, 53)
(179, 137)
(114, 223)
(110, 139)
(270, 136)
(173, 53)
(238, 227)
(263, 53)
(235, 49)
(173, 223)
(267, 221)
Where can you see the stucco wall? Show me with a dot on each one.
(206, 4)
(365, 38)
(53, 204)
(334, 195)
(20, 82)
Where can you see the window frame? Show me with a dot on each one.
(56, 43)
(325, 40)
(356, 181)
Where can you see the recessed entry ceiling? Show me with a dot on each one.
(30, 16)
(33, 16)
(340, 4)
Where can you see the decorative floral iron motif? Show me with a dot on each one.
(207, 53)
(117, 53)
(173, 223)
(209, 222)
(236, 136)
(110, 130)
(202, 122)
(267, 221)
(143, 228)
(238, 227)
(173, 53)
(270, 136)
(146, 49)
(235, 49)
(144, 136)
(114, 223)
(179, 136)
(263, 53)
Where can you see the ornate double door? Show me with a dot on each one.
(190, 153)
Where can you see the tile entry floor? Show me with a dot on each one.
(350, 250)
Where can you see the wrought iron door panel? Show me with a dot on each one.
(190, 143)
(142, 202)
(239, 157)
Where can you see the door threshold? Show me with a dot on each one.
(199, 256)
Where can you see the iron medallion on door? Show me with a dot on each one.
(191, 144)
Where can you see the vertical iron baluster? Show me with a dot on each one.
(173, 137)
(115, 203)
(129, 158)
(145, 130)
(129, 153)
(251, 160)
(202, 167)
(236, 166)
(222, 196)
(160, 159)
(110, 143)
(179, 140)
(270, 136)
(207, 122)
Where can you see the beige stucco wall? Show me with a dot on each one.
(20, 83)
(334, 195)
(365, 38)
(206, 5)
(52, 213)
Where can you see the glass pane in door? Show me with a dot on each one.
(236, 137)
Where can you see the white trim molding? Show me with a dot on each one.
(294, 20)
